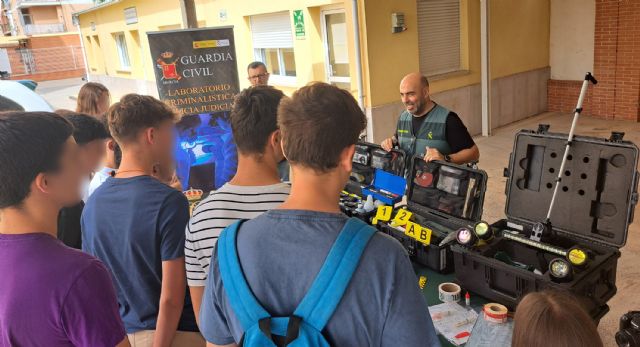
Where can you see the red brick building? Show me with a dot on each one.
(40, 41)
(615, 52)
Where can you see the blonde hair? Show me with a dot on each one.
(553, 319)
(89, 98)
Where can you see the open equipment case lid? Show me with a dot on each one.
(598, 191)
(369, 157)
(432, 189)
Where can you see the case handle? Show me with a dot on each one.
(503, 294)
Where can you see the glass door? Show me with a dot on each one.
(334, 30)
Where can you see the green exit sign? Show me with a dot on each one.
(298, 23)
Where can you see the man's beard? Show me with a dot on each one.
(419, 108)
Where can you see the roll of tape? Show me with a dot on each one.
(449, 292)
(495, 313)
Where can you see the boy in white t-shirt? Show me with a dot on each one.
(256, 187)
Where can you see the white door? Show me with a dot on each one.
(334, 32)
(4, 61)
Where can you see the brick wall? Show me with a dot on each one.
(47, 58)
(54, 41)
(616, 66)
(563, 96)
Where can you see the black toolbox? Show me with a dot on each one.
(442, 197)
(593, 209)
(371, 161)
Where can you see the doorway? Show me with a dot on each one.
(334, 34)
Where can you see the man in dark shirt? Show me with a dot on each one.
(90, 135)
(428, 129)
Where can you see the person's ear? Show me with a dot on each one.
(274, 139)
(111, 145)
(41, 183)
(149, 135)
(346, 158)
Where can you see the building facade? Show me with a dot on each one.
(315, 40)
(40, 40)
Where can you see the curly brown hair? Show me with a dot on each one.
(134, 113)
(317, 123)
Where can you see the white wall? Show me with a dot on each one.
(571, 41)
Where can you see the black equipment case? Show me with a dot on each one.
(594, 207)
(367, 159)
(442, 197)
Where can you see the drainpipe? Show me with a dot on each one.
(485, 73)
(356, 41)
(188, 11)
(84, 53)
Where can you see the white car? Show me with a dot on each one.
(16, 97)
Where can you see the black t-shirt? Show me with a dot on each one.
(457, 134)
(69, 225)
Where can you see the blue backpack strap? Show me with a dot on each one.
(244, 303)
(327, 289)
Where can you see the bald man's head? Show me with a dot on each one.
(414, 92)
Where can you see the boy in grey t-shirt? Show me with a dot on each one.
(282, 251)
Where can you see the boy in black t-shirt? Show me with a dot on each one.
(90, 135)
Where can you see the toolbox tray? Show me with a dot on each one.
(428, 209)
(354, 187)
(367, 170)
(593, 210)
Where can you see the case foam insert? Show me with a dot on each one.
(593, 198)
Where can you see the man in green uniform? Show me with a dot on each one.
(428, 129)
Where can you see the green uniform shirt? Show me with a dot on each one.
(432, 133)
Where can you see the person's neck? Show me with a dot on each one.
(29, 219)
(135, 163)
(255, 171)
(428, 107)
(109, 163)
(314, 192)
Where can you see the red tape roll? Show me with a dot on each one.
(495, 313)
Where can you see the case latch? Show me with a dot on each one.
(616, 136)
(543, 128)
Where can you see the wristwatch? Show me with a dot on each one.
(447, 158)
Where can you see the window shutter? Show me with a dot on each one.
(439, 36)
(271, 30)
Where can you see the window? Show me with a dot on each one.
(439, 36)
(26, 17)
(123, 54)
(273, 44)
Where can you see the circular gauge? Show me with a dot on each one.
(466, 237)
(560, 269)
(483, 230)
(577, 256)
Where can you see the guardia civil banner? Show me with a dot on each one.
(196, 72)
(196, 69)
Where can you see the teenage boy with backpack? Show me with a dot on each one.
(333, 279)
